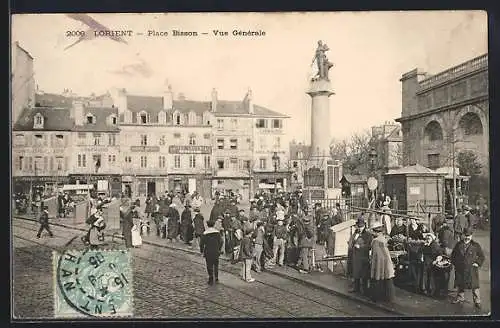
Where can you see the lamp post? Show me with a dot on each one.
(276, 163)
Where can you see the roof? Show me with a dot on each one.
(351, 178)
(149, 104)
(55, 119)
(238, 108)
(413, 169)
(52, 100)
(101, 123)
(395, 135)
(185, 106)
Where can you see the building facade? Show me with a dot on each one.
(246, 137)
(23, 81)
(388, 141)
(166, 144)
(445, 114)
(41, 138)
(96, 145)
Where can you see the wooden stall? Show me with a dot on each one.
(419, 190)
(354, 185)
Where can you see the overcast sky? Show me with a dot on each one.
(370, 51)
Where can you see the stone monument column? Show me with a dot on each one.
(320, 92)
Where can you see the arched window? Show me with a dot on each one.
(433, 132)
(470, 125)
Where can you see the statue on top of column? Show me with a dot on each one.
(322, 62)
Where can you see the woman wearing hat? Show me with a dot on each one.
(432, 280)
(382, 268)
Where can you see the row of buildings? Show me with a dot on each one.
(149, 144)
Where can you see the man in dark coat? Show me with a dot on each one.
(358, 257)
(187, 228)
(217, 210)
(199, 224)
(210, 247)
(128, 223)
(305, 232)
(467, 257)
(44, 222)
(173, 222)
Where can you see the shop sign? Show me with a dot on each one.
(190, 149)
(95, 149)
(147, 149)
(95, 177)
(41, 179)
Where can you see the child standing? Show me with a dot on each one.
(246, 255)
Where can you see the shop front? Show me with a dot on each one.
(148, 185)
(114, 181)
(190, 183)
(271, 181)
(43, 185)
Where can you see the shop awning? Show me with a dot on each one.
(229, 185)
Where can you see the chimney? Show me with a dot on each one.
(119, 99)
(249, 99)
(168, 98)
(77, 112)
(214, 100)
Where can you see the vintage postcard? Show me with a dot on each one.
(250, 165)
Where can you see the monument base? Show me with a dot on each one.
(321, 178)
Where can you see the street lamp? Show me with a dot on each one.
(276, 164)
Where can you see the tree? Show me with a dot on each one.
(353, 152)
(468, 163)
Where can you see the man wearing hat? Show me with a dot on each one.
(467, 257)
(358, 257)
(44, 222)
(279, 241)
(199, 225)
(210, 247)
(306, 232)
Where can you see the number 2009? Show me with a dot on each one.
(75, 33)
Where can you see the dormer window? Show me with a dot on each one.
(113, 120)
(178, 119)
(38, 121)
(90, 119)
(162, 117)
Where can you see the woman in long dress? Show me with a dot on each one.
(136, 235)
(382, 268)
(128, 224)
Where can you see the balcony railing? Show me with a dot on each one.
(454, 72)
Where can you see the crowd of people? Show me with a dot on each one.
(282, 229)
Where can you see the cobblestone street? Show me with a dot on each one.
(170, 284)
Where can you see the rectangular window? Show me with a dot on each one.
(277, 143)
(262, 142)
(51, 164)
(336, 177)
(82, 160)
(112, 139)
(128, 159)
(433, 161)
(144, 161)
(45, 164)
(161, 163)
(262, 163)
(177, 161)
(192, 161)
(20, 163)
(220, 123)
(277, 124)
(38, 140)
(59, 163)
(233, 143)
(97, 139)
(220, 164)
(30, 163)
(247, 164)
(220, 143)
(234, 164)
(234, 123)
(261, 123)
(59, 140)
(19, 140)
(144, 140)
(111, 158)
(207, 162)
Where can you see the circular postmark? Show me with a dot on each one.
(95, 282)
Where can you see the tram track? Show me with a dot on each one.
(271, 296)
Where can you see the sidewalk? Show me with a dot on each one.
(406, 303)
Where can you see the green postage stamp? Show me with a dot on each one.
(93, 283)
